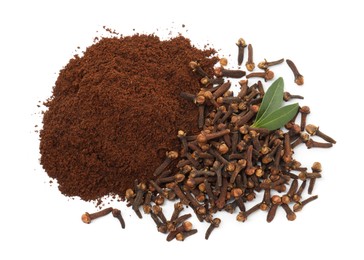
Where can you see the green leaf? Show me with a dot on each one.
(278, 118)
(272, 99)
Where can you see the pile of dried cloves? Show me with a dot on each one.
(229, 161)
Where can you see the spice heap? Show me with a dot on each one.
(115, 111)
(239, 152)
(127, 101)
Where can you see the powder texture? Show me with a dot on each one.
(116, 110)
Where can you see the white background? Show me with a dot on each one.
(323, 38)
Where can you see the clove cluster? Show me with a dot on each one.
(229, 162)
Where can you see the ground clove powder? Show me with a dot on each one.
(116, 110)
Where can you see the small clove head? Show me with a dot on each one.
(86, 218)
(299, 80)
(241, 42)
(223, 62)
(316, 167)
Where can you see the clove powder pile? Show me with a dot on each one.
(116, 110)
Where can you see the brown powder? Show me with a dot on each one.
(116, 110)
